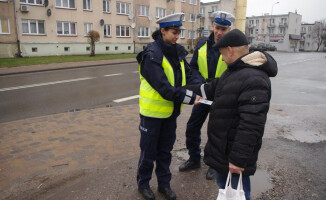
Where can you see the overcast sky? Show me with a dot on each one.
(311, 10)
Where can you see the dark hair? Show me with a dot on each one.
(158, 32)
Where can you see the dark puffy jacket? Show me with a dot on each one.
(238, 114)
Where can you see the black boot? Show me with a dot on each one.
(147, 193)
(210, 174)
(168, 193)
(189, 165)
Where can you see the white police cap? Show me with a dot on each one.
(223, 19)
(173, 21)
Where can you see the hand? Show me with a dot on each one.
(197, 99)
(235, 169)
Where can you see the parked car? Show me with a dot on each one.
(262, 47)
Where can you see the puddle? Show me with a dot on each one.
(306, 136)
(260, 182)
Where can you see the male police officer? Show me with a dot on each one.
(207, 64)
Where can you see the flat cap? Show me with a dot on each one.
(173, 21)
(223, 19)
(234, 38)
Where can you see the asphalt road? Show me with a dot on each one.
(301, 81)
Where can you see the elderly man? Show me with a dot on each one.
(207, 64)
(240, 102)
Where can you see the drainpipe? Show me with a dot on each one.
(19, 53)
(240, 15)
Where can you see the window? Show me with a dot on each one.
(192, 17)
(214, 8)
(87, 28)
(66, 28)
(183, 0)
(256, 31)
(182, 34)
(107, 48)
(143, 10)
(160, 12)
(32, 2)
(87, 5)
(143, 32)
(4, 0)
(106, 6)
(123, 8)
(171, 12)
(271, 30)
(34, 27)
(34, 49)
(65, 3)
(88, 48)
(202, 10)
(66, 49)
(309, 28)
(283, 20)
(107, 30)
(272, 21)
(194, 2)
(122, 31)
(4, 26)
(257, 21)
(282, 30)
(191, 34)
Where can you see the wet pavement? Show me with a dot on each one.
(93, 154)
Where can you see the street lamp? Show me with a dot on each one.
(270, 21)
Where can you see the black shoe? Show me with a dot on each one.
(189, 165)
(210, 174)
(147, 193)
(168, 193)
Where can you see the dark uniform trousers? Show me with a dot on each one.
(156, 143)
(198, 116)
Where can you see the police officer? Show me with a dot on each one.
(207, 64)
(163, 71)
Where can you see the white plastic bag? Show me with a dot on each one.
(229, 193)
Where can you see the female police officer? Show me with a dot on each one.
(163, 71)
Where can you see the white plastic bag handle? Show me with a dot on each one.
(228, 181)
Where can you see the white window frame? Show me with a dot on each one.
(68, 4)
(37, 22)
(172, 12)
(190, 33)
(35, 2)
(191, 17)
(183, 1)
(87, 28)
(160, 12)
(108, 29)
(88, 5)
(193, 2)
(214, 8)
(182, 34)
(69, 27)
(121, 5)
(119, 27)
(143, 10)
(106, 6)
(184, 17)
(4, 0)
(142, 32)
(202, 10)
(2, 20)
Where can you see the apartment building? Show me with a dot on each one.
(207, 16)
(283, 31)
(60, 27)
(309, 38)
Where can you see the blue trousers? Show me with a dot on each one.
(195, 123)
(156, 143)
(221, 181)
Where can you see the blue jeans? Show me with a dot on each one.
(221, 181)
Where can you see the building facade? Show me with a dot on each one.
(60, 27)
(309, 37)
(283, 31)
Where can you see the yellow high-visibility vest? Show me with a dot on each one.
(151, 103)
(202, 63)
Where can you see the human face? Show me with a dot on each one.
(227, 53)
(170, 36)
(219, 32)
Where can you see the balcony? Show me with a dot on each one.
(211, 15)
(251, 25)
(271, 25)
(283, 24)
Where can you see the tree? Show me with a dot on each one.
(319, 33)
(93, 36)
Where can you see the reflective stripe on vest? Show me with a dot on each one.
(202, 63)
(151, 103)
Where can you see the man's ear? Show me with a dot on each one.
(230, 50)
